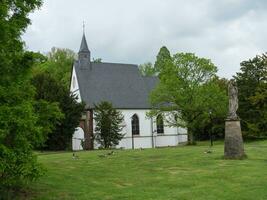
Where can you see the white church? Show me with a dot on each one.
(128, 91)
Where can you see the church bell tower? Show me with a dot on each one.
(84, 55)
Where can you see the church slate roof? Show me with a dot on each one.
(120, 84)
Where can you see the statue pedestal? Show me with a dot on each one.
(233, 143)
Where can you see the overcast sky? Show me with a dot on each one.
(132, 31)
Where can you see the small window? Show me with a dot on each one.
(135, 125)
(160, 124)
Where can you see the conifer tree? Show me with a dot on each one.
(162, 59)
(108, 125)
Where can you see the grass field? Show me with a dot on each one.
(168, 173)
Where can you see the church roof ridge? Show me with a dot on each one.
(116, 63)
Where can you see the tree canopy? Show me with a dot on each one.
(50, 90)
(188, 90)
(162, 59)
(252, 85)
(59, 62)
(147, 69)
(19, 129)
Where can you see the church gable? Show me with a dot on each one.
(120, 84)
(74, 85)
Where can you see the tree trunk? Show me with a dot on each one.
(88, 131)
(190, 136)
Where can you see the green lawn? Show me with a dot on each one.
(167, 173)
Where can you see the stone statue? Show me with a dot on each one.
(233, 142)
(233, 100)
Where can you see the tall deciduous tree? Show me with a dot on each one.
(18, 122)
(251, 82)
(212, 124)
(48, 89)
(108, 125)
(49, 116)
(259, 100)
(97, 60)
(186, 88)
(147, 69)
(59, 62)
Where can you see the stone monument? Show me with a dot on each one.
(233, 144)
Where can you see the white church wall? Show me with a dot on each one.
(144, 121)
(144, 140)
(139, 141)
(145, 130)
(182, 138)
(166, 140)
(182, 135)
(77, 139)
(74, 85)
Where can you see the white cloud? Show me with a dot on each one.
(227, 31)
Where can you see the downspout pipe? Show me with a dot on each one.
(152, 132)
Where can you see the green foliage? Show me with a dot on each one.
(18, 122)
(162, 60)
(58, 62)
(213, 123)
(163, 57)
(147, 69)
(108, 125)
(251, 82)
(49, 116)
(259, 100)
(187, 89)
(18, 133)
(62, 110)
(97, 60)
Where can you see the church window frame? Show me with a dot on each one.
(160, 124)
(135, 125)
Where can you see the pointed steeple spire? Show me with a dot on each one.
(84, 52)
(84, 47)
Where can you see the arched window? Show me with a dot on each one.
(135, 125)
(160, 124)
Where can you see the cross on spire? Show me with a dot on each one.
(84, 52)
(83, 26)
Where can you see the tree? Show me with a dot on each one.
(58, 62)
(48, 89)
(147, 69)
(259, 100)
(162, 59)
(49, 116)
(251, 82)
(18, 122)
(188, 91)
(97, 60)
(108, 125)
(213, 124)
